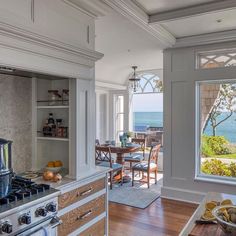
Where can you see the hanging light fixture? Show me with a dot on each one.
(134, 81)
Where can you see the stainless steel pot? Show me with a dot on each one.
(6, 172)
(5, 155)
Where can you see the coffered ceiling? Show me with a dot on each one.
(156, 6)
(133, 32)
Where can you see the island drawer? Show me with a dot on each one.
(98, 229)
(76, 218)
(80, 193)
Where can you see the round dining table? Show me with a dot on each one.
(120, 153)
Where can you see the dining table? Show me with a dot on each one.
(120, 152)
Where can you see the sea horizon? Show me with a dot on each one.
(143, 120)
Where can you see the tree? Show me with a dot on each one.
(225, 102)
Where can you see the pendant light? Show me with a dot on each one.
(134, 81)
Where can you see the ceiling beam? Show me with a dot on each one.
(135, 14)
(203, 39)
(192, 11)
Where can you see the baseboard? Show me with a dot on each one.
(182, 194)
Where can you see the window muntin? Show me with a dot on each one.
(216, 59)
(215, 158)
(149, 83)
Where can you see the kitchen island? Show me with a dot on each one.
(87, 198)
(189, 230)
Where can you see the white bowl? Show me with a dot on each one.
(228, 227)
(53, 169)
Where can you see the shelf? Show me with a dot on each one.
(53, 139)
(52, 107)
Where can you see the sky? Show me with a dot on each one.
(151, 102)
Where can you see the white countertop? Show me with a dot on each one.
(67, 182)
(201, 208)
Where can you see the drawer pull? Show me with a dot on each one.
(85, 215)
(85, 192)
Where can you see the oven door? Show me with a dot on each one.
(45, 228)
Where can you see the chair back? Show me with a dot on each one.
(141, 142)
(97, 142)
(103, 154)
(153, 155)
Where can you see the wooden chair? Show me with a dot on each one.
(150, 166)
(103, 158)
(136, 157)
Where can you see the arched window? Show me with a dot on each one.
(150, 83)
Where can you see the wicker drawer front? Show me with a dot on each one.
(74, 219)
(97, 229)
(77, 194)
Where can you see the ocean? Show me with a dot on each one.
(143, 120)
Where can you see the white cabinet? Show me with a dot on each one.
(55, 145)
(51, 20)
(15, 12)
(78, 115)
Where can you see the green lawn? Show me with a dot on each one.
(227, 156)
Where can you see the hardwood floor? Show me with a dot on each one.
(162, 217)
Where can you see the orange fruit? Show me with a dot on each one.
(58, 164)
(51, 164)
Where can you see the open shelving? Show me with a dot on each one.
(52, 107)
(46, 148)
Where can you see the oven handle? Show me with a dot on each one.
(52, 223)
(55, 222)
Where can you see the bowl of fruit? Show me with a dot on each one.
(54, 166)
(225, 216)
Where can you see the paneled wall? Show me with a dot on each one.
(16, 117)
(180, 75)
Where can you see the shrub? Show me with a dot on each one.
(216, 167)
(214, 145)
(232, 168)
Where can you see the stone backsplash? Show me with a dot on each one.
(16, 118)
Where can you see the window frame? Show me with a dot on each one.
(117, 114)
(198, 176)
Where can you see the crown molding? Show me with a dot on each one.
(203, 39)
(135, 14)
(93, 9)
(192, 11)
(26, 36)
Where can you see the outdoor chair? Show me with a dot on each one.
(149, 166)
(103, 158)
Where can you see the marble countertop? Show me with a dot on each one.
(201, 208)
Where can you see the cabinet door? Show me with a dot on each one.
(16, 12)
(85, 125)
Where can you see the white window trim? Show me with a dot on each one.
(198, 175)
(116, 114)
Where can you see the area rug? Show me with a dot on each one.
(138, 196)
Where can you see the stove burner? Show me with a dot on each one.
(23, 188)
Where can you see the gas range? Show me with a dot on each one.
(28, 208)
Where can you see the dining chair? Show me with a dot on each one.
(149, 166)
(136, 157)
(104, 158)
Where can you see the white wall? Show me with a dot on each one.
(180, 76)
